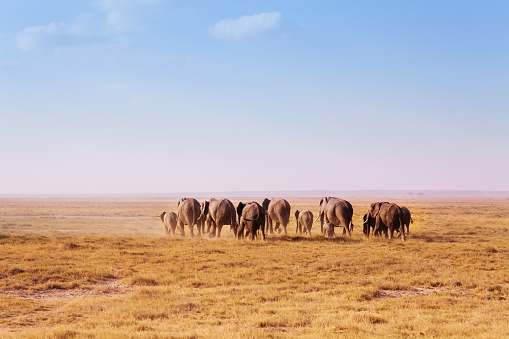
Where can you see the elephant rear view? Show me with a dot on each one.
(188, 214)
(323, 215)
(221, 212)
(338, 213)
(278, 210)
(387, 215)
(304, 221)
(406, 218)
(252, 219)
(169, 220)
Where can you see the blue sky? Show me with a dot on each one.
(152, 96)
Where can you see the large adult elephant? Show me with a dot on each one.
(219, 212)
(169, 220)
(252, 219)
(337, 212)
(406, 218)
(277, 210)
(386, 215)
(189, 213)
(304, 221)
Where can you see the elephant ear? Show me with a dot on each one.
(323, 200)
(265, 204)
(240, 208)
(375, 208)
(162, 216)
(297, 214)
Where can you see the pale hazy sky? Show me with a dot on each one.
(153, 96)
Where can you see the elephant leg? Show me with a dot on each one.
(181, 226)
(191, 230)
(219, 228)
(198, 226)
(284, 227)
(347, 231)
(240, 230)
(277, 227)
(212, 232)
(402, 226)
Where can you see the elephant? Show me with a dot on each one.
(328, 230)
(252, 218)
(388, 215)
(406, 219)
(337, 212)
(370, 223)
(189, 213)
(277, 210)
(219, 212)
(169, 220)
(304, 218)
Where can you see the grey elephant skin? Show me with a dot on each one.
(217, 213)
(304, 220)
(252, 219)
(169, 220)
(278, 210)
(406, 218)
(189, 213)
(337, 213)
(386, 215)
(369, 224)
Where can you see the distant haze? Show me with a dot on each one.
(287, 194)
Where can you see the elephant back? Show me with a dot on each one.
(253, 212)
(279, 210)
(189, 210)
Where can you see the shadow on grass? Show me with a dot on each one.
(434, 238)
(298, 238)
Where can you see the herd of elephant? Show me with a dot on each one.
(249, 219)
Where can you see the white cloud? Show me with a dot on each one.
(36, 37)
(245, 26)
(114, 18)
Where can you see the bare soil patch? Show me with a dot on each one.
(103, 289)
(421, 291)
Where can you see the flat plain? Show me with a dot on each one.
(103, 267)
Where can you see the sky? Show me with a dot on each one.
(161, 96)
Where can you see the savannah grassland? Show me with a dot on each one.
(104, 268)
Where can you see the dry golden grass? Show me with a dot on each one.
(120, 276)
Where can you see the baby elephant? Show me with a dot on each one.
(304, 221)
(169, 220)
(328, 230)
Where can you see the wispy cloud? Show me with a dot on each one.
(122, 15)
(114, 17)
(245, 26)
